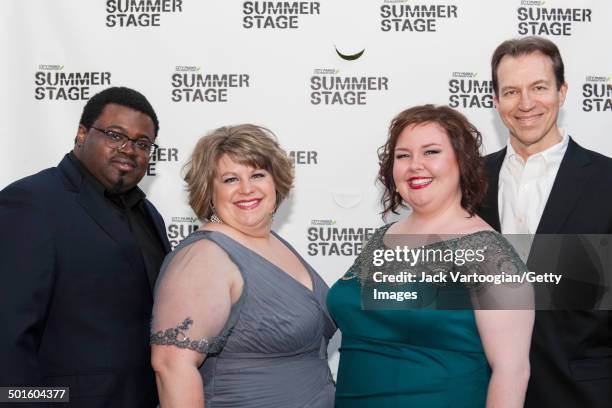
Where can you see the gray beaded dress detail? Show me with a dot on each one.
(272, 349)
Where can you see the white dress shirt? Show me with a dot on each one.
(524, 186)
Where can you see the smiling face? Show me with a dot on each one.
(425, 169)
(243, 196)
(529, 102)
(117, 169)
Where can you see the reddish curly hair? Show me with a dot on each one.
(465, 140)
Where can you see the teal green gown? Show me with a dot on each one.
(405, 358)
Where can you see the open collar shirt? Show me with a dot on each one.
(524, 186)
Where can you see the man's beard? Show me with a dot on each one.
(119, 186)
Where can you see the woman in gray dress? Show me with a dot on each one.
(239, 318)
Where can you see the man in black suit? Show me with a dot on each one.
(81, 249)
(543, 182)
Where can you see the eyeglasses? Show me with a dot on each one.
(118, 141)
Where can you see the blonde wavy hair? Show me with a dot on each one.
(246, 144)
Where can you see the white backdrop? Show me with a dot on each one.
(58, 53)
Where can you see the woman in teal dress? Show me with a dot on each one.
(425, 355)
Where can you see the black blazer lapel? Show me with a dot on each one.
(569, 183)
(489, 210)
(160, 227)
(106, 219)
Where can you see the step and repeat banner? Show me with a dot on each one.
(326, 76)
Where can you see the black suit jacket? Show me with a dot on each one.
(76, 298)
(571, 351)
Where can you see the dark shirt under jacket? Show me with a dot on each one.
(76, 298)
(130, 208)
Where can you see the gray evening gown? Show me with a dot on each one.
(272, 350)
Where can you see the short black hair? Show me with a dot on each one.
(119, 95)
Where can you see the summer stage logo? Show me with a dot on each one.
(535, 19)
(466, 90)
(328, 87)
(277, 15)
(597, 94)
(52, 82)
(325, 238)
(402, 16)
(180, 228)
(190, 84)
(162, 154)
(139, 13)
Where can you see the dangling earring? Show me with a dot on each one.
(272, 213)
(214, 218)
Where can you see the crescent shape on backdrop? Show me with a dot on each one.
(349, 57)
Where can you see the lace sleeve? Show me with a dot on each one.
(363, 262)
(192, 298)
(503, 273)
